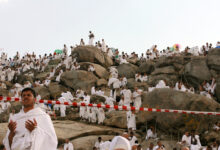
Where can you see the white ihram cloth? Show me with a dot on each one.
(42, 137)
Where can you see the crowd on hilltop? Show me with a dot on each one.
(11, 68)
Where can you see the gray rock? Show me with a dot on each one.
(56, 89)
(116, 119)
(132, 84)
(43, 92)
(54, 62)
(197, 71)
(127, 70)
(93, 55)
(164, 70)
(76, 79)
(171, 99)
(101, 82)
(147, 67)
(100, 71)
(213, 59)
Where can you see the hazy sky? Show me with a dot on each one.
(130, 25)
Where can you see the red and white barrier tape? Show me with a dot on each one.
(116, 107)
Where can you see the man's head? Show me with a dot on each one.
(151, 145)
(28, 96)
(185, 148)
(99, 139)
(67, 141)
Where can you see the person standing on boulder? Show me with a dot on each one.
(31, 128)
(91, 38)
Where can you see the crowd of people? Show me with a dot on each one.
(28, 64)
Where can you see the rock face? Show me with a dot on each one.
(116, 119)
(79, 79)
(213, 59)
(43, 91)
(147, 67)
(217, 89)
(56, 89)
(171, 99)
(100, 71)
(164, 70)
(197, 71)
(4, 92)
(127, 70)
(132, 84)
(93, 55)
(23, 78)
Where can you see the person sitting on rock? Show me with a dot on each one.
(144, 77)
(138, 77)
(159, 146)
(123, 60)
(151, 133)
(151, 146)
(161, 84)
(98, 143)
(68, 145)
(91, 68)
(75, 66)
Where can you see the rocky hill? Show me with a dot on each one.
(193, 70)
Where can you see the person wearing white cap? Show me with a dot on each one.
(120, 143)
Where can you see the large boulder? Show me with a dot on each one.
(101, 82)
(164, 70)
(76, 79)
(197, 71)
(43, 92)
(56, 89)
(147, 67)
(127, 70)
(167, 61)
(92, 54)
(42, 76)
(132, 84)
(100, 71)
(96, 99)
(4, 92)
(213, 59)
(217, 89)
(21, 79)
(116, 119)
(174, 122)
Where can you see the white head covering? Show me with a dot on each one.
(120, 142)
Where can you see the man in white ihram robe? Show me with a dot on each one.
(131, 120)
(137, 97)
(101, 115)
(31, 128)
(62, 107)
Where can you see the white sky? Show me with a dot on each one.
(130, 25)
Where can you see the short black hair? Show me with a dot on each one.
(29, 89)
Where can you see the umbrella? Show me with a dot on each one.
(58, 51)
